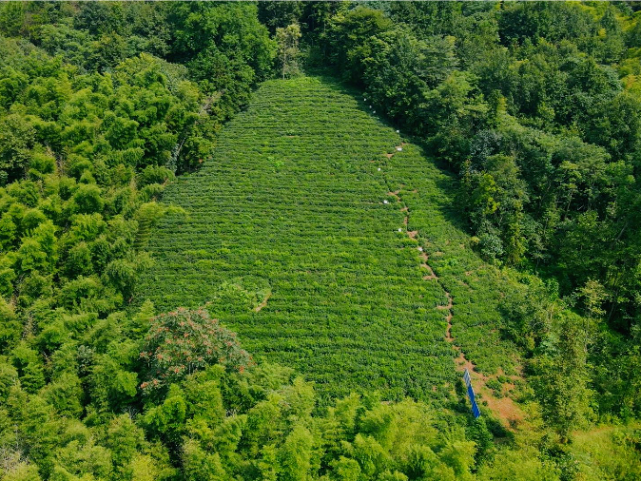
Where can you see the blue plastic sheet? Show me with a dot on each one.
(470, 393)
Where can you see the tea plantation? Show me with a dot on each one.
(476, 287)
(293, 238)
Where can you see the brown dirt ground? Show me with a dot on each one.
(262, 304)
(504, 408)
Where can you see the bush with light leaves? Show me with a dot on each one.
(183, 341)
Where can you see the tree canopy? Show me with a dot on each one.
(531, 109)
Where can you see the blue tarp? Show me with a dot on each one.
(470, 392)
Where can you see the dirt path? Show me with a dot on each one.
(424, 257)
(504, 408)
(262, 304)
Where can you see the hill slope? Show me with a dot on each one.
(310, 242)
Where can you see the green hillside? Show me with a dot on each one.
(292, 239)
(221, 261)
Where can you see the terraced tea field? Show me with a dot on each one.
(295, 241)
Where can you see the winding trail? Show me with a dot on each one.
(263, 303)
(504, 408)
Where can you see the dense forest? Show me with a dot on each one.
(532, 108)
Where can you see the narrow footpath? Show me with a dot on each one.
(503, 408)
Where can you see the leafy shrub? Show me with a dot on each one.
(496, 386)
(181, 342)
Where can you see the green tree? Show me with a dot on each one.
(182, 342)
(295, 454)
(280, 14)
(288, 52)
(562, 382)
(346, 36)
(226, 63)
(17, 138)
(12, 16)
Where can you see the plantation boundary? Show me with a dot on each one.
(292, 200)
